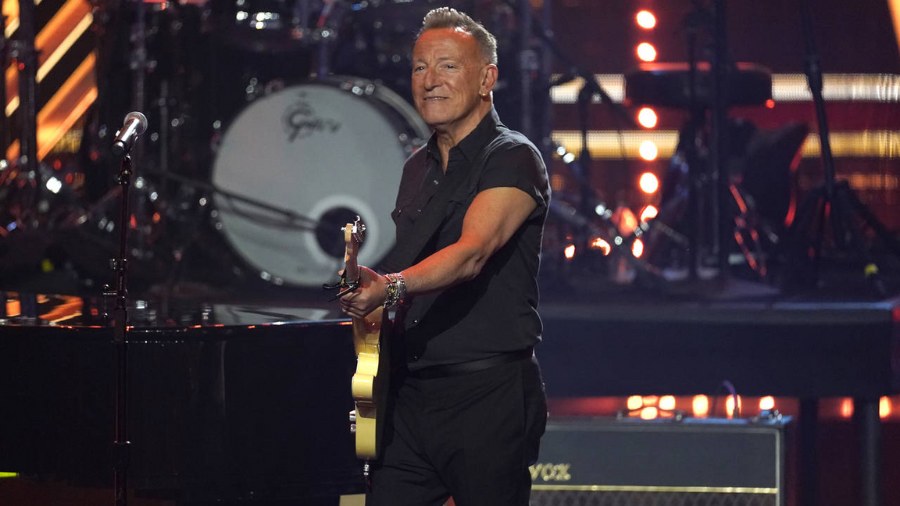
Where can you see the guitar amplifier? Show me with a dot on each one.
(633, 462)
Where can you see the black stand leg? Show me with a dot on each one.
(868, 426)
(809, 468)
(120, 341)
(722, 227)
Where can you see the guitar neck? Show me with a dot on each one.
(351, 251)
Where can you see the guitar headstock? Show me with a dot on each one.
(355, 232)
(354, 235)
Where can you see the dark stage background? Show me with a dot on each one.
(273, 122)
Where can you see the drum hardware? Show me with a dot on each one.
(669, 85)
(288, 218)
(28, 189)
(532, 48)
(89, 235)
(588, 207)
(368, 115)
(160, 44)
(587, 202)
(376, 38)
(832, 207)
(90, 232)
(280, 26)
(599, 222)
(760, 195)
(199, 211)
(161, 232)
(701, 198)
(325, 34)
(591, 88)
(587, 231)
(4, 64)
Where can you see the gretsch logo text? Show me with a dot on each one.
(300, 121)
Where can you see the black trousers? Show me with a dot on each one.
(470, 436)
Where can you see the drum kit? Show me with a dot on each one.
(271, 123)
(756, 169)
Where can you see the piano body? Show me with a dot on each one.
(239, 402)
(225, 402)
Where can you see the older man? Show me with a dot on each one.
(467, 404)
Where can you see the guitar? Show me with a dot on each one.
(369, 382)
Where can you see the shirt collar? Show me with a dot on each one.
(477, 139)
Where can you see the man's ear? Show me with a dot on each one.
(489, 79)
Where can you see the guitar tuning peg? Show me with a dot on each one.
(353, 416)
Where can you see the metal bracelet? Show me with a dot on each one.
(394, 290)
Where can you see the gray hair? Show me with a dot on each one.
(448, 17)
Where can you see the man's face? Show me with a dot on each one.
(449, 75)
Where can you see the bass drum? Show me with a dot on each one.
(299, 163)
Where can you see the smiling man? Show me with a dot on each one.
(466, 407)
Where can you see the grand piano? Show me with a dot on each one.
(238, 401)
(225, 402)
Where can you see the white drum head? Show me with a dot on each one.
(322, 153)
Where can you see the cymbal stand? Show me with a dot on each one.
(23, 51)
(4, 63)
(588, 201)
(706, 215)
(547, 38)
(528, 67)
(688, 141)
(27, 56)
(700, 155)
(139, 65)
(325, 31)
(719, 66)
(589, 204)
(833, 202)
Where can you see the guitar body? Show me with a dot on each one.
(369, 384)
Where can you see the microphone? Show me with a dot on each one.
(135, 125)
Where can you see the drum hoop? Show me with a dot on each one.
(388, 97)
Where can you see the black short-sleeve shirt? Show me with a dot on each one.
(497, 311)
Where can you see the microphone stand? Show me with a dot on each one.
(121, 452)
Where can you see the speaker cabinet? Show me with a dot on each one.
(625, 462)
